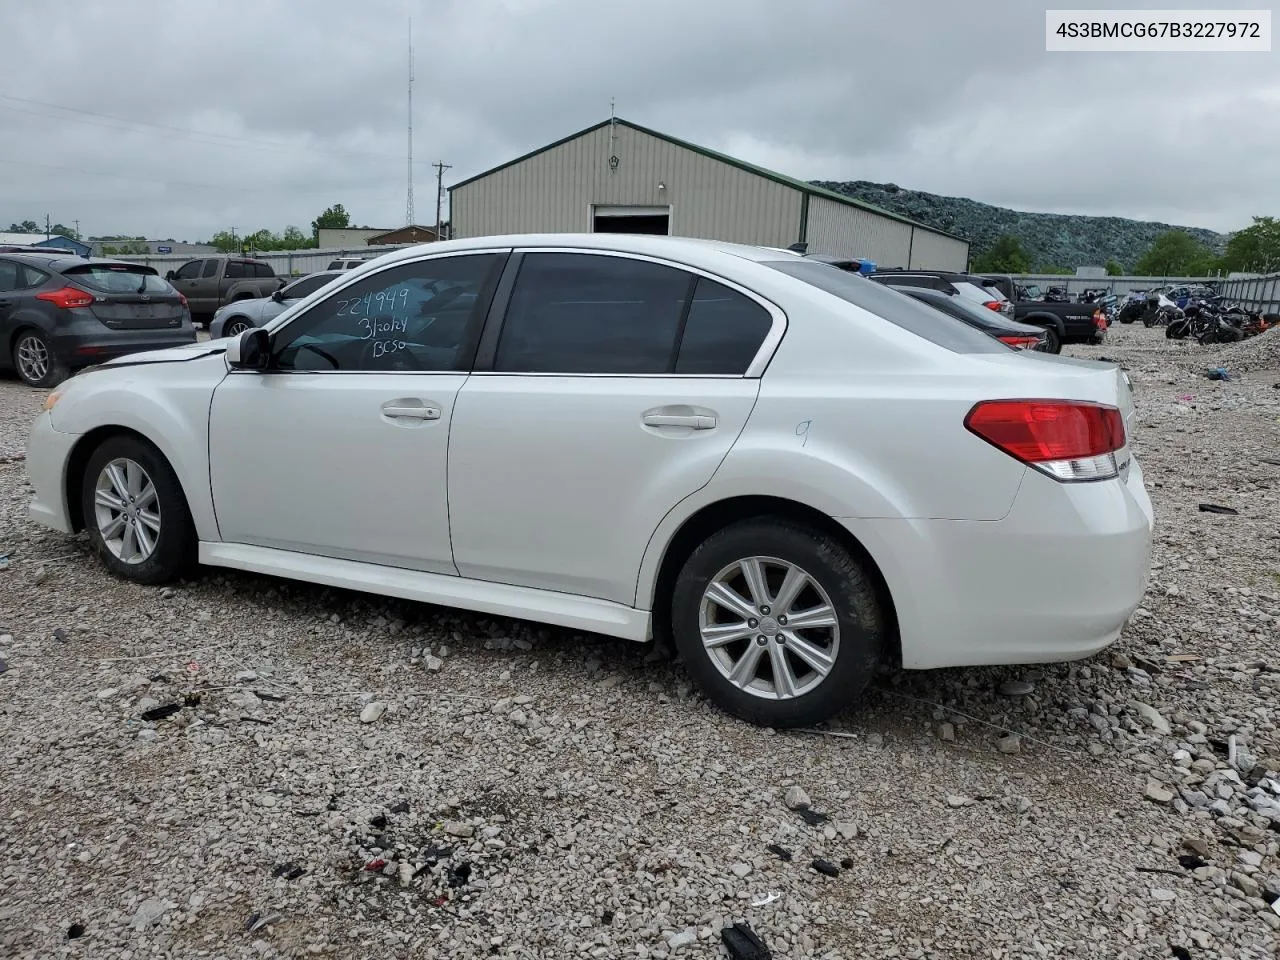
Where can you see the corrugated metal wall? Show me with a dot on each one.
(844, 231)
(554, 191)
(933, 251)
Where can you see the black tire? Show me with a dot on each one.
(1052, 341)
(235, 326)
(45, 368)
(859, 616)
(174, 551)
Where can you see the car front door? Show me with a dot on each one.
(612, 389)
(340, 448)
(186, 280)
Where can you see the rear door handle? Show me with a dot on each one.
(695, 420)
(400, 409)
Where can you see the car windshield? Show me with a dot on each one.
(119, 278)
(888, 304)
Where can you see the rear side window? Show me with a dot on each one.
(31, 277)
(210, 269)
(236, 270)
(118, 278)
(263, 270)
(588, 313)
(890, 305)
(9, 276)
(723, 331)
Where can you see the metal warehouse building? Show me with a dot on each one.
(619, 177)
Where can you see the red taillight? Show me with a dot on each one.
(1020, 342)
(995, 305)
(66, 298)
(1067, 439)
(1099, 319)
(182, 299)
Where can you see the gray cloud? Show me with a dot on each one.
(260, 114)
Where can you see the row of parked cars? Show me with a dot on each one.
(60, 311)
(797, 474)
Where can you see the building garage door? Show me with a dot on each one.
(649, 220)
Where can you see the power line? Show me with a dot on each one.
(209, 138)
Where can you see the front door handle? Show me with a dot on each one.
(697, 421)
(409, 410)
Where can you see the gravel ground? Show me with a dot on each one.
(526, 792)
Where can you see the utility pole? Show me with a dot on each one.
(408, 207)
(77, 223)
(48, 227)
(440, 169)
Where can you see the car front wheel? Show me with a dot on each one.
(777, 623)
(1052, 341)
(135, 512)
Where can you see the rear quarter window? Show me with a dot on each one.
(891, 306)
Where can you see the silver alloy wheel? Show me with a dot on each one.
(769, 628)
(33, 358)
(235, 328)
(126, 511)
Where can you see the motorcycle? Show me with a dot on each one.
(1159, 310)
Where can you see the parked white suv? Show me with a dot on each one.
(796, 472)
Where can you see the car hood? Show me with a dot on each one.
(188, 351)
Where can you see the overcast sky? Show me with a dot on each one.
(176, 120)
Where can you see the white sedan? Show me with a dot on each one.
(796, 473)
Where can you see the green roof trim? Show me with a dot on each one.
(804, 186)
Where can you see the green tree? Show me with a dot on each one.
(26, 226)
(1114, 269)
(225, 242)
(58, 230)
(1254, 249)
(1005, 256)
(1175, 253)
(334, 218)
(295, 239)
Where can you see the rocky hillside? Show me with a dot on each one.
(1050, 239)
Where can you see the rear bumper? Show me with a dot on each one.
(47, 455)
(1056, 579)
(85, 342)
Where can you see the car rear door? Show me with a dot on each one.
(610, 388)
(340, 448)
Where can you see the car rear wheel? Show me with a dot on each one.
(35, 360)
(1052, 341)
(233, 328)
(135, 512)
(777, 623)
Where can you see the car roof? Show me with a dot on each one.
(317, 273)
(63, 260)
(689, 248)
(952, 275)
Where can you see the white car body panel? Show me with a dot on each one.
(553, 485)
(342, 479)
(549, 491)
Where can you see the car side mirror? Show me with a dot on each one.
(170, 275)
(278, 296)
(250, 351)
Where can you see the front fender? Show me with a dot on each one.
(167, 404)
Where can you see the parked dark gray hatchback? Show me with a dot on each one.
(59, 312)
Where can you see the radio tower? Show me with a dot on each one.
(408, 206)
